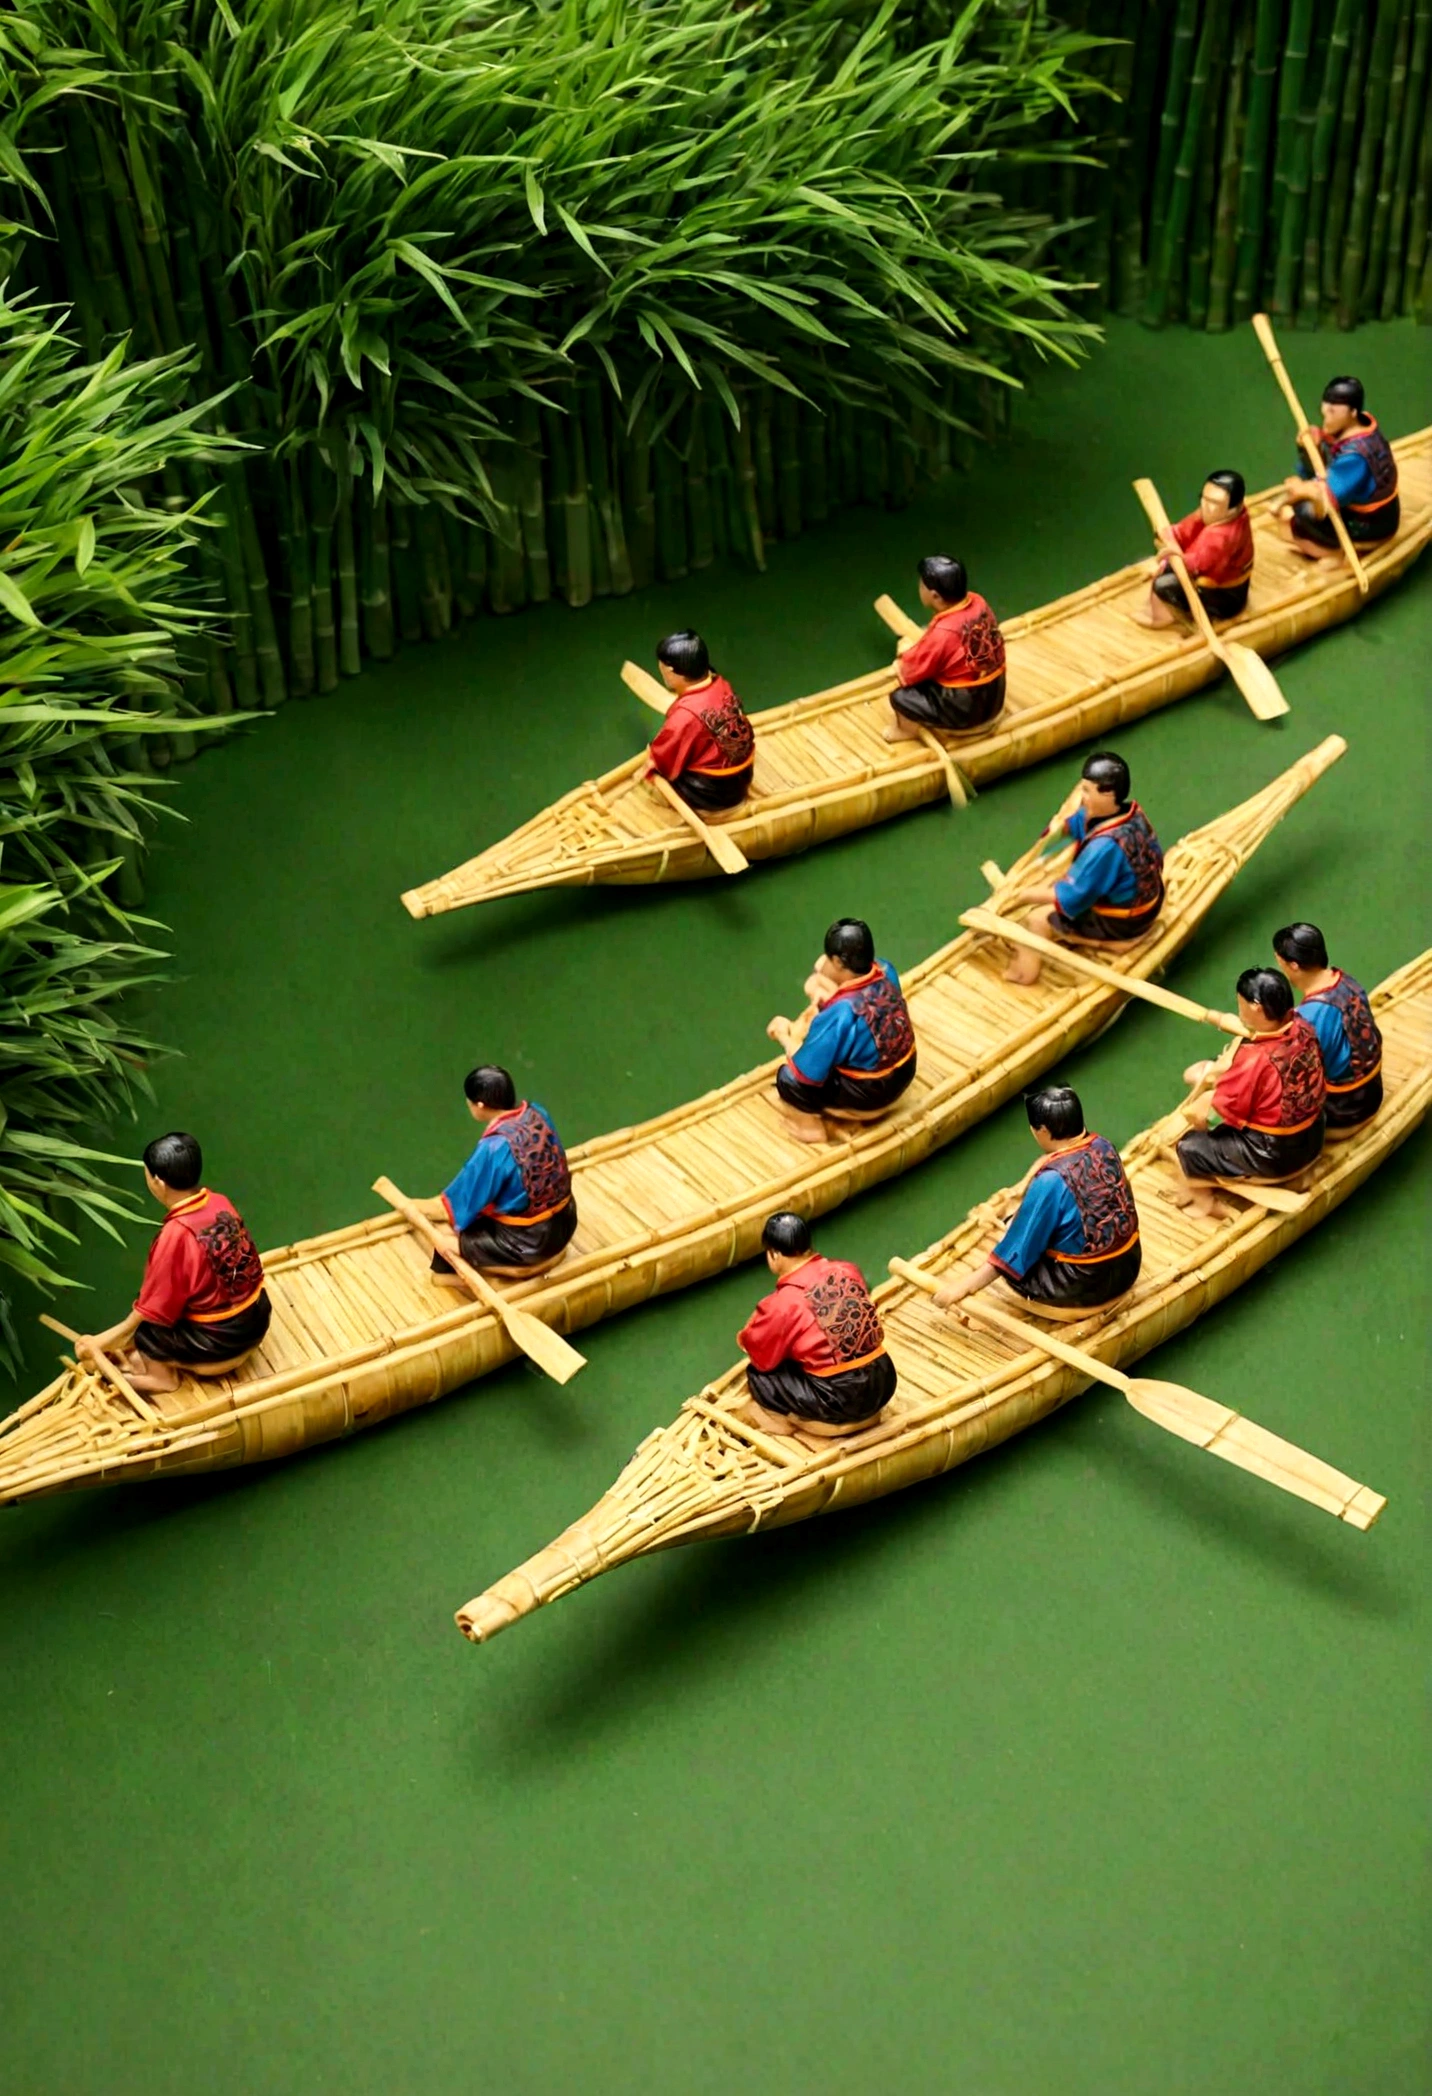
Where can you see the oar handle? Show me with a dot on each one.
(899, 621)
(989, 921)
(105, 1365)
(1263, 329)
(1071, 1356)
(1158, 516)
(646, 687)
(427, 1230)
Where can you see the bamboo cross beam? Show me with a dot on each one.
(724, 850)
(108, 1368)
(1209, 1426)
(1263, 329)
(1247, 669)
(539, 1342)
(979, 920)
(650, 690)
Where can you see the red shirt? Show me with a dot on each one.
(786, 1326)
(202, 1264)
(961, 645)
(1221, 553)
(705, 730)
(1251, 1091)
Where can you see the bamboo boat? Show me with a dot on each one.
(356, 1337)
(1077, 668)
(964, 1391)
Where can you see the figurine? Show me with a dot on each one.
(858, 1054)
(1114, 889)
(1216, 541)
(1073, 1246)
(954, 673)
(816, 1346)
(1361, 483)
(1270, 1095)
(510, 1210)
(202, 1305)
(1340, 1014)
(706, 747)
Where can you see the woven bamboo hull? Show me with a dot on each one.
(1077, 668)
(356, 1337)
(961, 1392)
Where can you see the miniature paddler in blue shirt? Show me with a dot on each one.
(856, 1054)
(1340, 1013)
(510, 1209)
(1073, 1245)
(1361, 484)
(1114, 889)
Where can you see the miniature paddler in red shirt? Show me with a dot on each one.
(1073, 1244)
(816, 1346)
(510, 1209)
(1361, 484)
(857, 1054)
(1216, 542)
(1339, 1011)
(1270, 1096)
(952, 677)
(1114, 890)
(202, 1306)
(706, 747)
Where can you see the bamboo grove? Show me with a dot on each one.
(1255, 154)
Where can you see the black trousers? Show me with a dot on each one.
(1065, 1286)
(1094, 924)
(709, 792)
(1369, 530)
(842, 1399)
(953, 708)
(188, 1344)
(490, 1243)
(843, 1092)
(1242, 1153)
(1218, 603)
(1351, 1108)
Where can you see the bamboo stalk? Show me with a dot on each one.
(1388, 167)
(1416, 126)
(1364, 181)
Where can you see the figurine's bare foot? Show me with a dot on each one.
(1024, 970)
(1153, 614)
(1199, 1198)
(447, 1280)
(896, 731)
(810, 1128)
(152, 1378)
(768, 1422)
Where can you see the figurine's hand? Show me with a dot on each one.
(777, 1030)
(86, 1343)
(1167, 537)
(947, 1295)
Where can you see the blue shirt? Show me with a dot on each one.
(1101, 873)
(839, 1039)
(1048, 1221)
(1326, 1022)
(489, 1181)
(1350, 477)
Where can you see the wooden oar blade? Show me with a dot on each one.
(647, 688)
(725, 851)
(548, 1349)
(1255, 680)
(897, 620)
(1224, 1433)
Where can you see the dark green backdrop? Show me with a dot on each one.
(1096, 1767)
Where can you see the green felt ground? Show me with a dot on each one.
(1096, 1767)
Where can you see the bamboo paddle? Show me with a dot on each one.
(1168, 1000)
(724, 850)
(106, 1367)
(539, 1342)
(1248, 670)
(1209, 1426)
(1263, 329)
(902, 625)
(650, 690)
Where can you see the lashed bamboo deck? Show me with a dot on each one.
(357, 1335)
(1077, 668)
(961, 1391)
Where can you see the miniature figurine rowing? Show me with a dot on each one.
(972, 1375)
(1074, 671)
(853, 1052)
(362, 1330)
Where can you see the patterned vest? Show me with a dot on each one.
(1349, 1000)
(1297, 1062)
(1094, 1175)
(540, 1158)
(981, 640)
(1134, 835)
(848, 1319)
(229, 1251)
(719, 713)
(1373, 446)
(882, 1007)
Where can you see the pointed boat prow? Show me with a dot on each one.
(575, 1557)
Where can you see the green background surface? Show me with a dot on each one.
(1096, 1766)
